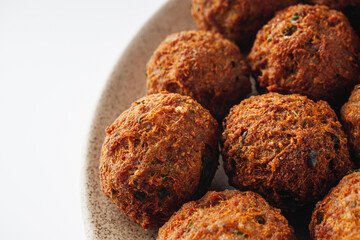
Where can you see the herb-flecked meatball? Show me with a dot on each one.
(337, 216)
(230, 214)
(158, 154)
(238, 20)
(202, 65)
(310, 50)
(288, 148)
(350, 115)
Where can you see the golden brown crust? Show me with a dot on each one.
(157, 155)
(202, 65)
(237, 20)
(227, 215)
(351, 8)
(288, 148)
(350, 115)
(337, 216)
(310, 50)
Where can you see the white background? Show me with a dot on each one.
(55, 57)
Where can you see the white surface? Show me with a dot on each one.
(55, 57)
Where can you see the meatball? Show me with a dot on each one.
(158, 154)
(310, 50)
(337, 216)
(288, 148)
(238, 20)
(350, 115)
(202, 65)
(227, 215)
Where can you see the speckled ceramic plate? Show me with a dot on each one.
(126, 84)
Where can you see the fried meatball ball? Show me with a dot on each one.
(238, 20)
(310, 50)
(288, 148)
(202, 65)
(227, 215)
(157, 155)
(350, 115)
(337, 216)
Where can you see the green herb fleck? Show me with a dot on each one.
(113, 193)
(353, 204)
(289, 30)
(142, 102)
(140, 195)
(162, 192)
(191, 111)
(194, 51)
(270, 39)
(295, 17)
(260, 220)
(139, 120)
(354, 170)
(190, 224)
(233, 64)
(240, 234)
(295, 112)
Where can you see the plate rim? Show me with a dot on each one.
(89, 226)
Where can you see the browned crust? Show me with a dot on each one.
(350, 115)
(310, 50)
(288, 148)
(227, 215)
(202, 65)
(157, 155)
(337, 216)
(237, 20)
